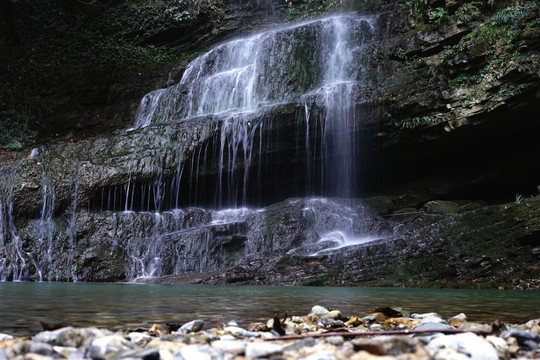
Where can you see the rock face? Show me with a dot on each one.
(429, 108)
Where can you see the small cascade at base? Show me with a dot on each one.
(13, 260)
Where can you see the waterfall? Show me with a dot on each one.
(313, 66)
(13, 261)
(252, 122)
(277, 105)
(47, 226)
(146, 109)
(72, 225)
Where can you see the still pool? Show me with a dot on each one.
(116, 306)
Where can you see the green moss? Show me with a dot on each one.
(319, 280)
(288, 260)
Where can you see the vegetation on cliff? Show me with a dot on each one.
(72, 66)
(76, 66)
(449, 113)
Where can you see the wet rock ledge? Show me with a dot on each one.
(387, 333)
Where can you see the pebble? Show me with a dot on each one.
(334, 314)
(233, 342)
(319, 310)
(6, 337)
(468, 344)
(433, 326)
(262, 349)
(195, 351)
(192, 326)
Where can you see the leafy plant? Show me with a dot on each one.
(14, 131)
(309, 8)
(415, 6)
(439, 16)
(466, 80)
(415, 122)
(512, 15)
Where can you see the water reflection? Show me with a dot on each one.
(118, 306)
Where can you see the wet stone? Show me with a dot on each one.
(139, 338)
(192, 326)
(262, 349)
(230, 347)
(334, 314)
(466, 343)
(28, 346)
(335, 340)
(6, 337)
(236, 343)
(319, 310)
(433, 326)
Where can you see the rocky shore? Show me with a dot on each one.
(386, 333)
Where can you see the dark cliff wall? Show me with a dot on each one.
(450, 113)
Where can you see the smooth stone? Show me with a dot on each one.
(110, 343)
(522, 336)
(391, 345)
(232, 347)
(469, 344)
(291, 328)
(239, 332)
(6, 337)
(460, 316)
(334, 314)
(268, 335)
(198, 352)
(369, 318)
(403, 322)
(449, 354)
(262, 349)
(66, 352)
(319, 310)
(325, 355)
(192, 326)
(329, 322)
(300, 344)
(432, 319)
(364, 355)
(27, 346)
(34, 356)
(139, 338)
(143, 354)
(422, 316)
(168, 346)
(335, 340)
(500, 345)
(227, 337)
(71, 337)
(433, 326)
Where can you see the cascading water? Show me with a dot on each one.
(315, 67)
(47, 226)
(278, 113)
(13, 260)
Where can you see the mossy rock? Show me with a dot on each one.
(441, 207)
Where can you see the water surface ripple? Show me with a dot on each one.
(117, 306)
